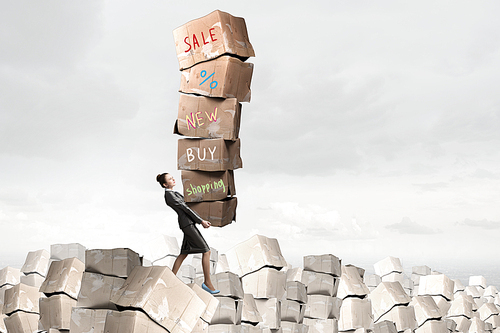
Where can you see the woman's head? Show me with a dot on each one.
(166, 180)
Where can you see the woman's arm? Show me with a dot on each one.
(177, 203)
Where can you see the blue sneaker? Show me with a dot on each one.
(204, 286)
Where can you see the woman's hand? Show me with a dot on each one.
(206, 224)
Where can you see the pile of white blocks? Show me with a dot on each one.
(78, 290)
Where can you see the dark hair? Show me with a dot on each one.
(162, 179)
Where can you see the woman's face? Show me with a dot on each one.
(170, 181)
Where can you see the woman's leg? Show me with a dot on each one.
(205, 264)
(178, 262)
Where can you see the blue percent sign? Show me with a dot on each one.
(203, 74)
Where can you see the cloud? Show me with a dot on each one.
(407, 226)
(431, 187)
(483, 224)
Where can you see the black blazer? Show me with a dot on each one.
(186, 215)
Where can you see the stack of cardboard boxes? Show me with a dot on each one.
(214, 81)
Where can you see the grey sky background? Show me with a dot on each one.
(373, 128)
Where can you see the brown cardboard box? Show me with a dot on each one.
(270, 310)
(326, 263)
(207, 186)
(21, 297)
(228, 311)
(292, 311)
(403, 316)
(219, 213)
(296, 291)
(32, 279)
(55, 312)
(162, 296)
(355, 313)
(351, 283)
(64, 276)
(250, 312)
(22, 322)
(320, 283)
(88, 320)
(210, 36)
(231, 79)
(65, 251)
(200, 327)
(229, 284)
(461, 306)
(205, 117)
(425, 309)
(97, 289)
(208, 154)
(386, 296)
(132, 322)
(36, 262)
(210, 301)
(115, 262)
(265, 283)
(321, 325)
(10, 276)
(322, 307)
(253, 254)
(288, 327)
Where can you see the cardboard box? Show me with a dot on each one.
(10, 276)
(477, 325)
(22, 322)
(231, 79)
(253, 254)
(321, 325)
(97, 289)
(219, 213)
(229, 284)
(265, 283)
(55, 312)
(205, 117)
(207, 186)
(474, 291)
(66, 251)
(403, 316)
(36, 262)
(450, 325)
(425, 309)
(490, 291)
(210, 36)
(385, 326)
(33, 279)
(21, 297)
(351, 283)
(2, 296)
(132, 322)
(463, 323)
(355, 313)
(228, 311)
(88, 320)
(322, 307)
(64, 276)
(294, 274)
(361, 271)
(3, 329)
(433, 326)
(386, 296)
(161, 247)
(487, 310)
(167, 261)
(226, 328)
(443, 305)
(162, 296)
(494, 320)
(478, 281)
(270, 310)
(421, 270)
(211, 302)
(320, 283)
(296, 291)
(388, 265)
(326, 263)
(372, 280)
(436, 285)
(208, 154)
(394, 277)
(250, 312)
(200, 327)
(458, 285)
(288, 327)
(113, 262)
(292, 311)
(222, 265)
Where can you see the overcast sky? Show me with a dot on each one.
(373, 129)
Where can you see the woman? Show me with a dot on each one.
(193, 241)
